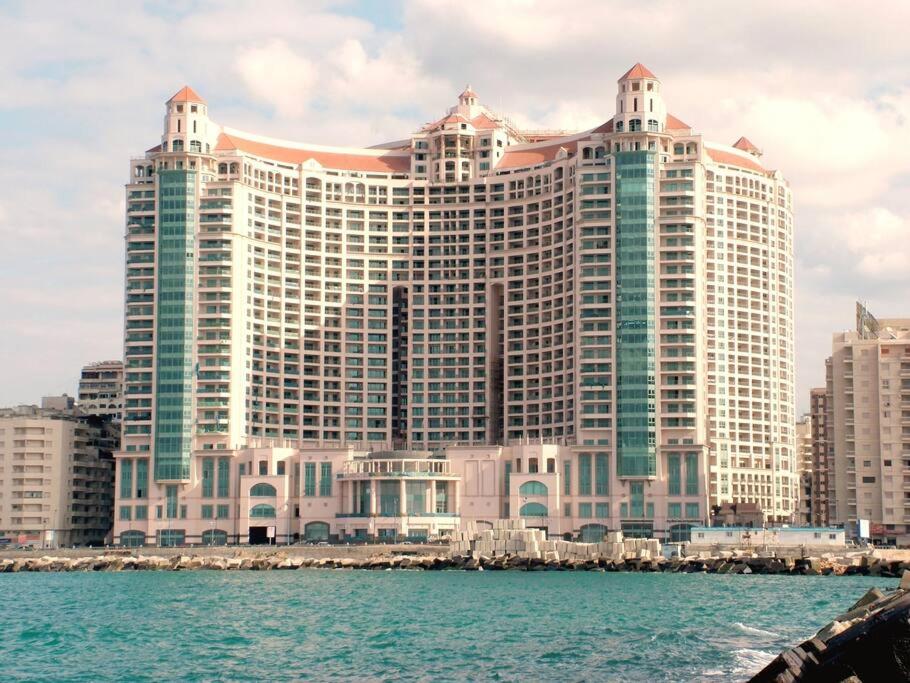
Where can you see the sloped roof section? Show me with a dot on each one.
(535, 155)
(746, 145)
(340, 160)
(638, 71)
(674, 123)
(733, 159)
(187, 94)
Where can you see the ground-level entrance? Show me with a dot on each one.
(259, 535)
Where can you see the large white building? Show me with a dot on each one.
(621, 295)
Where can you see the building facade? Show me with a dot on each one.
(804, 467)
(101, 389)
(819, 491)
(56, 476)
(868, 423)
(621, 294)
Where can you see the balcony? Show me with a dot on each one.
(396, 468)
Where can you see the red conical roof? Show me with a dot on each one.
(187, 94)
(638, 71)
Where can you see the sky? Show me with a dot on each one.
(822, 88)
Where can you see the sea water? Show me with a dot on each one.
(407, 625)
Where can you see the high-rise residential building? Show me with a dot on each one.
(56, 475)
(804, 466)
(622, 294)
(819, 488)
(101, 389)
(868, 423)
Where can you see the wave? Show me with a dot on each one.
(756, 631)
(752, 661)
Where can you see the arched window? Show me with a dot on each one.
(599, 152)
(533, 510)
(533, 488)
(262, 510)
(652, 125)
(178, 145)
(214, 537)
(619, 126)
(586, 153)
(532, 465)
(132, 539)
(263, 491)
(634, 125)
(233, 168)
(679, 148)
(680, 533)
(316, 531)
(593, 533)
(551, 465)
(222, 168)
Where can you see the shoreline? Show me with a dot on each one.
(433, 558)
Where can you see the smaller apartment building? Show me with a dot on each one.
(280, 495)
(56, 477)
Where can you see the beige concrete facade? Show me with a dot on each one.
(474, 285)
(804, 465)
(822, 455)
(101, 389)
(868, 412)
(56, 478)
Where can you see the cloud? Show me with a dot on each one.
(275, 74)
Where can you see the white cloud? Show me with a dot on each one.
(275, 74)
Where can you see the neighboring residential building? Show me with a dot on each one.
(101, 389)
(56, 475)
(868, 411)
(623, 293)
(804, 467)
(821, 455)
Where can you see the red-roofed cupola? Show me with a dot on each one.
(639, 104)
(187, 94)
(638, 71)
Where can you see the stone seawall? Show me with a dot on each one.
(866, 566)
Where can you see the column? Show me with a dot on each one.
(373, 497)
(403, 498)
(431, 497)
(350, 497)
(456, 504)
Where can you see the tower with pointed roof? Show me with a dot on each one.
(639, 102)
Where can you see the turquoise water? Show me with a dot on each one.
(393, 625)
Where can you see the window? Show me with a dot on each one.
(691, 474)
(208, 477)
(674, 471)
(281, 466)
(223, 511)
(533, 488)
(170, 493)
(601, 510)
(126, 479)
(142, 512)
(262, 511)
(263, 491)
(263, 468)
(691, 510)
(533, 510)
(868, 480)
(207, 512)
(637, 498)
(224, 477)
(309, 479)
(125, 512)
(584, 474)
(142, 478)
(325, 479)
(567, 478)
(601, 474)
(674, 510)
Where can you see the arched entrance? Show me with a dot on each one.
(316, 531)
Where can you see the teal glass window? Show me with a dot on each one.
(532, 488)
(224, 477)
(533, 510)
(208, 477)
(142, 512)
(214, 537)
(623, 509)
(142, 478)
(692, 474)
(602, 510)
(316, 531)
(132, 539)
(174, 365)
(567, 510)
(325, 479)
(262, 511)
(169, 538)
(170, 493)
(389, 498)
(263, 491)
(691, 510)
(637, 498)
(364, 497)
(416, 492)
(441, 496)
(125, 512)
(674, 510)
(584, 474)
(584, 510)
(567, 477)
(674, 475)
(309, 479)
(593, 533)
(601, 474)
(207, 512)
(223, 511)
(634, 257)
(126, 479)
